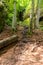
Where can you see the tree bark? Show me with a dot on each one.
(38, 15)
(32, 16)
(14, 21)
(8, 41)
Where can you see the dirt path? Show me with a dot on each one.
(23, 54)
(29, 53)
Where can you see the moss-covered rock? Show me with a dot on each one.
(2, 16)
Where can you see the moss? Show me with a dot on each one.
(2, 16)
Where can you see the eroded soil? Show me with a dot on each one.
(7, 32)
(24, 52)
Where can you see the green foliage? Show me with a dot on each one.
(41, 25)
(26, 22)
(22, 6)
(2, 16)
(9, 6)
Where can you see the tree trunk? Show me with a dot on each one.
(14, 21)
(38, 15)
(32, 16)
(8, 41)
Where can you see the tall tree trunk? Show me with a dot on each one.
(38, 15)
(32, 16)
(14, 21)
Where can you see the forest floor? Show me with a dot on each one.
(27, 51)
(7, 32)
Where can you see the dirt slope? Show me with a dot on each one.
(24, 53)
